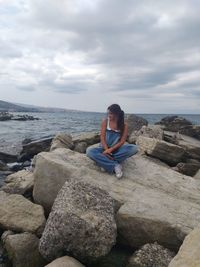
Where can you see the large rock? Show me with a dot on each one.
(188, 168)
(34, 147)
(5, 157)
(19, 214)
(89, 137)
(135, 123)
(23, 251)
(154, 216)
(20, 182)
(151, 255)
(65, 261)
(174, 123)
(169, 153)
(191, 130)
(197, 175)
(142, 175)
(188, 255)
(81, 223)
(62, 140)
(152, 131)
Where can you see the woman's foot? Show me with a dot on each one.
(118, 171)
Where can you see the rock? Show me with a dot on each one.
(151, 255)
(5, 116)
(88, 137)
(169, 153)
(23, 250)
(188, 255)
(34, 147)
(19, 214)
(135, 123)
(187, 168)
(143, 177)
(62, 140)
(153, 131)
(197, 175)
(5, 157)
(181, 125)
(24, 117)
(65, 261)
(20, 182)
(174, 123)
(81, 147)
(154, 216)
(81, 223)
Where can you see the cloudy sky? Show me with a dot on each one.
(87, 54)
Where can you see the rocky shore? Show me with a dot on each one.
(59, 209)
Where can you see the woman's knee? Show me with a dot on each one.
(133, 149)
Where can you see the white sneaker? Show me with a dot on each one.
(118, 171)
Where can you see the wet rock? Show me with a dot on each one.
(135, 123)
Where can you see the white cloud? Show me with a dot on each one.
(136, 53)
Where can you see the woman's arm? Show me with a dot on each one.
(122, 140)
(103, 134)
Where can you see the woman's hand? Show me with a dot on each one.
(108, 153)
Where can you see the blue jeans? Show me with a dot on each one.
(119, 155)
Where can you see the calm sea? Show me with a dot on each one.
(12, 133)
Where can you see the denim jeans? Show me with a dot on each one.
(119, 155)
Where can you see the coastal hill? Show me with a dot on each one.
(17, 107)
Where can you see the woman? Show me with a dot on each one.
(112, 150)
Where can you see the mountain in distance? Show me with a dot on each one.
(18, 107)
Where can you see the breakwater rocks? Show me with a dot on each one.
(63, 211)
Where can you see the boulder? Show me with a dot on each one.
(89, 137)
(5, 116)
(167, 152)
(191, 130)
(197, 175)
(154, 216)
(188, 255)
(62, 140)
(34, 147)
(151, 131)
(143, 176)
(151, 255)
(23, 251)
(19, 214)
(20, 182)
(3, 166)
(65, 261)
(81, 223)
(174, 123)
(135, 123)
(81, 147)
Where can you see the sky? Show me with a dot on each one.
(88, 54)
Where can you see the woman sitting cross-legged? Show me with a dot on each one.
(112, 149)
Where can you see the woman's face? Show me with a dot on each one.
(111, 115)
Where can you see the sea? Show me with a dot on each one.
(12, 133)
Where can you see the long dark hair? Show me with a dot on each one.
(116, 109)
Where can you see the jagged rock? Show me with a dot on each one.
(3, 166)
(81, 223)
(5, 116)
(62, 140)
(23, 250)
(19, 214)
(151, 131)
(20, 182)
(144, 177)
(34, 147)
(65, 261)
(188, 255)
(191, 130)
(135, 123)
(167, 152)
(151, 255)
